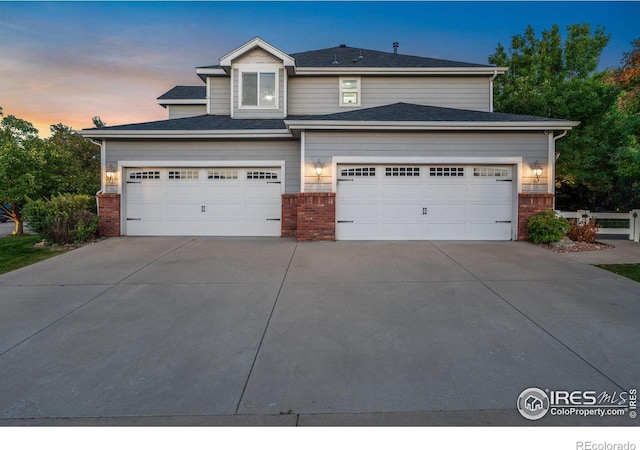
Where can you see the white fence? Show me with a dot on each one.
(626, 224)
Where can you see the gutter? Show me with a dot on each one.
(491, 80)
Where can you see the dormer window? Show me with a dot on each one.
(259, 90)
(349, 91)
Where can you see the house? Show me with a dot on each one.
(341, 143)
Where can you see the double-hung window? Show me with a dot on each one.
(259, 90)
(349, 91)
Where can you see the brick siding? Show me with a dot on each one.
(109, 215)
(316, 216)
(528, 205)
(289, 215)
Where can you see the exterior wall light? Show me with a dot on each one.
(537, 170)
(111, 174)
(319, 167)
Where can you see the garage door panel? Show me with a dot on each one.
(184, 227)
(363, 211)
(401, 211)
(405, 191)
(482, 192)
(183, 192)
(179, 210)
(146, 210)
(446, 213)
(444, 192)
(485, 211)
(446, 231)
(145, 193)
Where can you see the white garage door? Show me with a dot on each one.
(203, 202)
(417, 202)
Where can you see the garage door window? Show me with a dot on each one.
(259, 175)
(184, 174)
(402, 171)
(145, 175)
(446, 171)
(359, 172)
(490, 172)
(222, 174)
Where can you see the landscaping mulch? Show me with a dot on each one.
(577, 247)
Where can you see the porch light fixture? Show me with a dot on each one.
(111, 174)
(319, 167)
(537, 170)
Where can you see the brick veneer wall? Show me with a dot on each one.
(316, 218)
(289, 215)
(528, 205)
(109, 213)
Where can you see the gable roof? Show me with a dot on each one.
(184, 92)
(408, 116)
(410, 112)
(344, 56)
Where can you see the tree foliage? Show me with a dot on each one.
(554, 77)
(34, 168)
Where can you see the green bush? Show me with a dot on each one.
(545, 227)
(64, 219)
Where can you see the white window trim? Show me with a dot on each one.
(358, 91)
(259, 68)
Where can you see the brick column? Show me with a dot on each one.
(289, 215)
(528, 205)
(109, 214)
(316, 216)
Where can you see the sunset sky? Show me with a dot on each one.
(69, 61)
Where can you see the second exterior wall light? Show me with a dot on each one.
(319, 167)
(537, 170)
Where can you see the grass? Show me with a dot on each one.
(16, 252)
(631, 271)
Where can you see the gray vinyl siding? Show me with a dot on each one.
(197, 150)
(325, 145)
(219, 92)
(320, 95)
(257, 113)
(180, 111)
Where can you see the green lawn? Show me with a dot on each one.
(16, 252)
(626, 270)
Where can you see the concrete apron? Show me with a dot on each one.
(206, 331)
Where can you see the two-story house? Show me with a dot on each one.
(340, 143)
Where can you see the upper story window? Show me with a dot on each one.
(259, 90)
(349, 91)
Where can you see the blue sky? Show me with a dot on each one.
(69, 61)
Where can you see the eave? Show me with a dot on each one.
(428, 125)
(448, 71)
(186, 134)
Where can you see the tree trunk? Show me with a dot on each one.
(19, 229)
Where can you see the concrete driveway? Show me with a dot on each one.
(209, 331)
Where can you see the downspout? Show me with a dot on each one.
(491, 80)
(551, 183)
(102, 168)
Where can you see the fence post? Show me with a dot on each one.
(583, 216)
(634, 225)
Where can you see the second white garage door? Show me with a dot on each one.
(203, 201)
(419, 202)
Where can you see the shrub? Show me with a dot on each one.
(545, 227)
(64, 219)
(584, 232)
